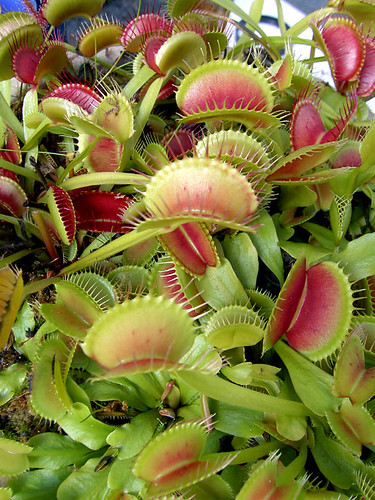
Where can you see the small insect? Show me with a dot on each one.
(114, 413)
(30, 333)
(168, 412)
(105, 461)
(114, 102)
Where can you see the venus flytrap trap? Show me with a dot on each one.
(174, 460)
(324, 282)
(351, 378)
(205, 328)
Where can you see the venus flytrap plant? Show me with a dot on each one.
(264, 481)
(142, 350)
(56, 13)
(234, 326)
(32, 62)
(324, 282)
(351, 378)
(180, 343)
(174, 460)
(14, 457)
(16, 27)
(98, 35)
(176, 284)
(11, 287)
(74, 311)
(208, 93)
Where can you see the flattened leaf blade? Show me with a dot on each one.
(11, 288)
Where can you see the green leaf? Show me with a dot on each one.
(367, 147)
(5, 494)
(30, 105)
(211, 487)
(10, 118)
(132, 438)
(358, 257)
(220, 287)
(297, 196)
(311, 383)
(235, 420)
(295, 468)
(146, 107)
(256, 10)
(334, 460)
(6, 90)
(114, 247)
(40, 484)
(290, 427)
(86, 483)
(54, 451)
(121, 477)
(321, 234)
(242, 254)
(266, 242)
(139, 79)
(81, 426)
(108, 390)
(217, 388)
(13, 457)
(231, 6)
(25, 322)
(11, 381)
(76, 393)
(45, 382)
(311, 253)
(11, 288)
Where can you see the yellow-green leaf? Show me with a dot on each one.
(11, 288)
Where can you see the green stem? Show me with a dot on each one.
(5, 261)
(249, 454)
(25, 172)
(147, 383)
(18, 222)
(217, 388)
(33, 140)
(102, 178)
(138, 80)
(10, 118)
(78, 159)
(37, 285)
(302, 25)
(295, 468)
(280, 17)
(114, 247)
(146, 107)
(231, 6)
(111, 67)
